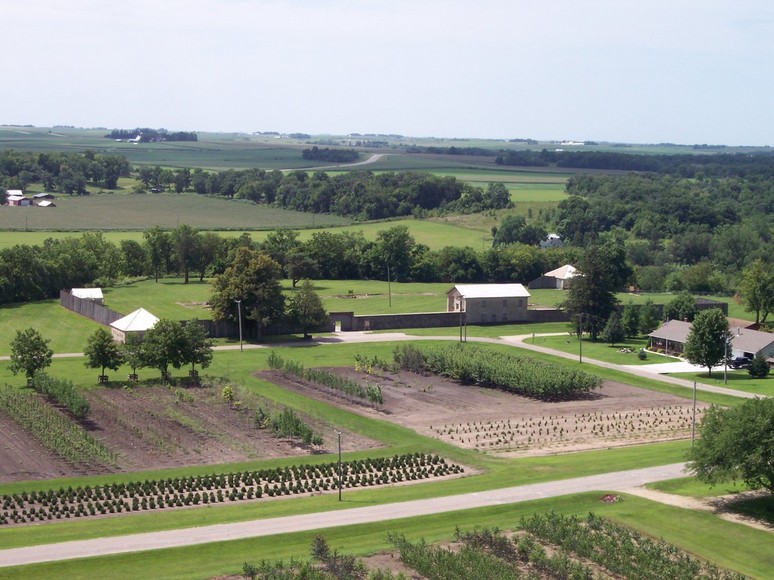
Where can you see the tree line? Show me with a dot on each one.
(147, 135)
(328, 154)
(60, 172)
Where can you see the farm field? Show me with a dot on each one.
(493, 421)
(434, 234)
(143, 211)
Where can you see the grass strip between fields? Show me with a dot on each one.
(701, 533)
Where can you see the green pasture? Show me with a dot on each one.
(601, 350)
(700, 533)
(737, 379)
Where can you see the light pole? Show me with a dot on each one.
(338, 433)
(239, 314)
(693, 421)
(725, 363)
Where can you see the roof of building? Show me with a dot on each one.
(563, 272)
(675, 330)
(16, 197)
(43, 195)
(14, 192)
(137, 321)
(46, 203)
(742, 339)
(748, 340)
(87, 293)
(491, 290)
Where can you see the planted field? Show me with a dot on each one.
(494, 421)
(151, 495)
(145, 427)
(140, 212)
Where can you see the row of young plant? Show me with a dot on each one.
(286, 423)
(487, 368)
(574, 544)
(61, 392)
(348, 387)
(55, 431)
(620, 550)
(33, 506)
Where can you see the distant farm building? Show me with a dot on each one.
(489, 303)
(93, 294)
(559, 279)
(134, 324)
(46, 203)
(18, 201)
(551, 241)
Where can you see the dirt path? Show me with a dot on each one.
(345, 517)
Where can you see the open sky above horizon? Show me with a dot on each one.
(653, 71)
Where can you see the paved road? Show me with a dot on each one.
(257, 528)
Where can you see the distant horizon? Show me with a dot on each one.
(688, 72)
(567, 142)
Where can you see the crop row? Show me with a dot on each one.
(62, 392)
(623, 552)
(85, 501)
(53, 430)
(614, 551)
(350, 388)
(486, 368)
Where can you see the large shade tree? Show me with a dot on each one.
(602, 271)
(306, 309)
(706, 342)
(736, 443)
(254, 279)
(757, 290)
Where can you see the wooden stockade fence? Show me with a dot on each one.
(88, 308)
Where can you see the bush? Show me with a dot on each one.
(759, 367)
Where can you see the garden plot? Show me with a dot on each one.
(499, 422)
(156, 427)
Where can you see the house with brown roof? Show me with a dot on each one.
(744, 342)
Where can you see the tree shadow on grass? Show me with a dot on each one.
(758, 506)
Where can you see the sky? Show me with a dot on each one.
(645, 71)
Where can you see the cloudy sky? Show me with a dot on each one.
(645, 71)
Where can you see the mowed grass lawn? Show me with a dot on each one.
(601, 350)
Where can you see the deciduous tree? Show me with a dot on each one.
(306, 309)
(736, 443)
(29, 352)
(102, 352)
(706, 342)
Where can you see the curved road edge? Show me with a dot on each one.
(616, 481)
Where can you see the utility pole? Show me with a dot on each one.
(338, 433)
(239, 311)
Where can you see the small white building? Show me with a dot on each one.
(489, 303)
(560, 278)
(551, 241)
(135, 323)
(93, 294)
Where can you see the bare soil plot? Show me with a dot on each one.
(495, 421)
(156, 427)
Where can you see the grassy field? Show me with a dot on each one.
(143, 211)
(737, 379)
(603, 351)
